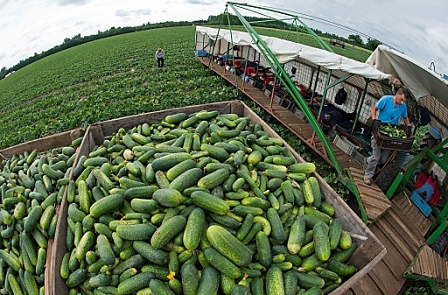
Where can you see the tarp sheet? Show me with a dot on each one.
(420, 80)
(286, 51)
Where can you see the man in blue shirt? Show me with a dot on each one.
(390, 109)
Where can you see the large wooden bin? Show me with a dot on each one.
(370, 250)
(42, 145)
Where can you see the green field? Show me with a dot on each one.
(111, 78)
(105, 79)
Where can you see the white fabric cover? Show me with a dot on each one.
(286, 51)
(420, 80)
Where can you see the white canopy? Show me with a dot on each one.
(286, 51)
(420, 80)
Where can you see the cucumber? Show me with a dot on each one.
(207, 115)
(321, 241)
(320, 215)
(344, 255)
(145, 249)
(85, 244)
(176, 118)
(340, 268)
(209, 282)
(180, 168)
(190, 279)
(278, 232)
(290, 280)
(135, 283)
(209, 202)
(135, 232)
(168, 197)
(306, 168)
(221, 263)
(105, 251)
(10, 259)
(345, 240)
(326, 208)
(228, 245)
(215, 152)
(107, 204)
(144, 205)
(264, 252)
(76, 278)
(214, 179)
(169, 161)
(194, 228)
(168, 230)
(158, 287)
(31, 221)
(316, 191)
(307, 191)
(328, 274)
(274, 281)
(308, 281)
(144, 192)
(309, 263)
(296, 237)
(186, 180)
(335, 233)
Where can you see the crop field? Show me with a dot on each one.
(105, 79)
(109, 78)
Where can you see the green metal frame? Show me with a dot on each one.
(283, 77)
(404, 177)
(292, 90)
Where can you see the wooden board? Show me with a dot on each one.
(367, 286)
(411, 214)
(373, 199)
(430, 264)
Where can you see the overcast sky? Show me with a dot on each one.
(417, 28)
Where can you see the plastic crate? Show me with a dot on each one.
(393, 143)
(421, 204)
(344, 145)
(201, 53)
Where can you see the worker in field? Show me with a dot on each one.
(160, 54)
(390, 110)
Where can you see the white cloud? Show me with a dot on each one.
(418, 29)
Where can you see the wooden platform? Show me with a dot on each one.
(297, 125)
(429, 264)
(373, 199)
(402, 244)
(413, 215)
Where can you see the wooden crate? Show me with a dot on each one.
(42, 145)
(370, 250)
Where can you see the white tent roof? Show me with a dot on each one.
(286, 51)
(420, 80)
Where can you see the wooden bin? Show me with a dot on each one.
(370, 249)
(41, 145)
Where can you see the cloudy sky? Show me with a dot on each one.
(417, 28)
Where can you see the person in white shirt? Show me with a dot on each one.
(159, 56)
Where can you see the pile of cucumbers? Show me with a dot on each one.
(200, 204)
(392, 131)
(31, 186)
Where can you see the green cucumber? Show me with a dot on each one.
(168, 230)
(228, 245)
